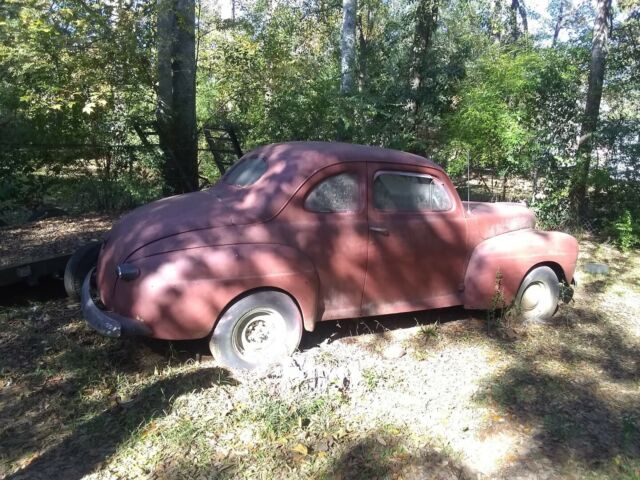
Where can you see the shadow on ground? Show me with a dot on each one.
(384, 456)
(344, 329)
(577, 386)
(60, 413)
(95, 440)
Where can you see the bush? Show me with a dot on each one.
(552, 209)
(625, 232)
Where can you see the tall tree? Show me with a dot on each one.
(348, 45)
(176, 106)
(425, 27)
(518, 8)
(592, 106)
(495, 21)
(559, 22)
(522, 9)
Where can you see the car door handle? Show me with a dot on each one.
(380, 230)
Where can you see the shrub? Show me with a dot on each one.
(553, 209)
(624, 232)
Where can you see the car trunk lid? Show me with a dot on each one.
(491, 219)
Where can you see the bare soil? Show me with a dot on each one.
(430, 395)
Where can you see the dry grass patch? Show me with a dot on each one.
(452, 400)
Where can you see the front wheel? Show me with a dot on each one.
(537, 298)
(257, 330)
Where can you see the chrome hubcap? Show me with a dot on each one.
(535, 299)
(256, 333)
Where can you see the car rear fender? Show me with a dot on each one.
(511, 256)
(181, 294)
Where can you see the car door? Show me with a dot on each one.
(417, 240)
(327, 221)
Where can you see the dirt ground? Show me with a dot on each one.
(51, 236)
(431, 395)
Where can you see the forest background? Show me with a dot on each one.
(542, 103)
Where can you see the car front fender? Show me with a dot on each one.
(181, 294)
(511, 256)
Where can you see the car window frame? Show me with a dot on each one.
(312, 185)
(410, 173)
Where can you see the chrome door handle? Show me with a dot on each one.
(380, 230)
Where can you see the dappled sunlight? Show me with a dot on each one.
(414, 395)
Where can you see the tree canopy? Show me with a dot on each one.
(495, 83)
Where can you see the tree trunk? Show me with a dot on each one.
(176, 107)
(592, 107)
(363, 45)
(348, 45)
(426, 22)
(559, 20)
(504, 188)
(513, 20)
(496, 21)
(523, 17)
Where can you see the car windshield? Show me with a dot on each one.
(246, 172)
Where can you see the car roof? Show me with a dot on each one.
(312, 156)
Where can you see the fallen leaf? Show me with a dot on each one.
(301, 449)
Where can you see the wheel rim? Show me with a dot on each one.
(257, 334)
(536, 299)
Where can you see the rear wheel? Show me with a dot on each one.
(257, 330)
(537, 298)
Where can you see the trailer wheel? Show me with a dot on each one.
(78, 266)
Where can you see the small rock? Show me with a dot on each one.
(596, 268)
(393, 352)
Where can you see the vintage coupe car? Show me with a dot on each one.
(302, 232)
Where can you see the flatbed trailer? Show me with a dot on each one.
(32, 271)
(34, 250)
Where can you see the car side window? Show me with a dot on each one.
(409, 192)
(338, 193)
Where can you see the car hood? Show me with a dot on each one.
(219, 206)
(171, 216)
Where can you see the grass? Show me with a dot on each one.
(557, 401)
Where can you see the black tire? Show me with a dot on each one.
(238, 339)
(538, 296)
(80, 263)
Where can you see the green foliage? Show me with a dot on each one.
(626, 231)
(512, 111)
(74, 78)
(552, 208)
(275, 418)
(83, 73)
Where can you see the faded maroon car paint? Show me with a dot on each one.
(416, 259)
(198, 252)
(513, 255)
